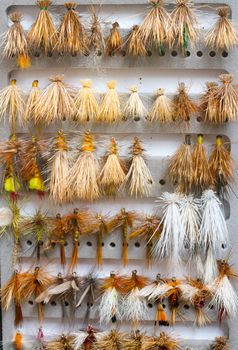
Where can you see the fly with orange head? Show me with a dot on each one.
(32, 284)
(58, 236)
(10, 294)
(149, 228)
(113, 172)
(110, 307)
(174, 294)
(76, 225)
(83, 180)
(125, 221)
(135, 307)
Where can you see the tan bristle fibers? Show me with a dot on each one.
(12, 105)
(113, 172)
(134, 44)
(134, 108)
(183, 26)
(86, 106)
(223, 35)
(55, 102)
(227, 95)
(114, 41)
(162, 109)
(43, 33)
(202, 178)
(96, 38)
(83, 176)
(72, 39)
(15, 42)
(184, 107)
(153, 30)
(30, 111)
(138, 180)
(221, 166)
(59, 170)
(209, 104)
(110, 109)
(181, 167)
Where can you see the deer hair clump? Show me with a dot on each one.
(184, 107)
(220, 343)
(86, 105)
(221, 166)
(110, 108)
(202, 177)
(72, 38)
(134, 108)
(162, 110)
(64, 342)
(153, 30)
(183, 28)
(114, 41)
(30, 111)
(164, 341)
(113, 172)
(96, 37)
(138, 180)
(134, 45)
(223, 35)
(55, 103)
(209, 103)
(181, 167)
(133, 341)
(15, 42)
(83, 180)
(169, 244)
(59, 170)
(227, 97)
(12, 105)
(112, 340)
(43, 33)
